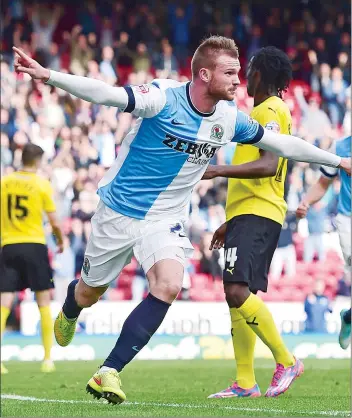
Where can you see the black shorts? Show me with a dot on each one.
(24, 266)
(250, 243)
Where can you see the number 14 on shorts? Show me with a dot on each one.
(230, 257)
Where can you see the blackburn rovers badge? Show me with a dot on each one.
(86, 266)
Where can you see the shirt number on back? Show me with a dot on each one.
(16, 207)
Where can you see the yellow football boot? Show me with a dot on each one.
(106, 384)
(47, 366)
(64, 329)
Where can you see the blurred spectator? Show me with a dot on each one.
(78, 243)
(344, 285)
(316, 306)
(141, 60)
(53, 58)
(285, 254)
(81, 53)
(255, 41)
(347, 119)
(44, 23)
(64, 271)
(334, 94)
(139, 284)
(344, 63)
(6, 155)
(106, 67)
(315, 124)
(151, 32)
(166, 62)
(179, 19)
(314, 244)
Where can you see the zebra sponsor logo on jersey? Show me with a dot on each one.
(199, 153)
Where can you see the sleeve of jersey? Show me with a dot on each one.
(145, 101)
(247, 130)
(49, 204)
(330, 172)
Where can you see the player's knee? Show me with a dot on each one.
(166, 291)
(236, 294)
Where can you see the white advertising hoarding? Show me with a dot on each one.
(183, 318)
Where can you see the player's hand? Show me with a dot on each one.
(27, 65)
(302, 210)
(218, 240)
(210, 173)
(345, 165)
(60, 247)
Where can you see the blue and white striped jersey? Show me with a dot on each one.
(168, 150)
(341, 148)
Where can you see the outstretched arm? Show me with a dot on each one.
(248, 131)
(127, 99)
(297, 149)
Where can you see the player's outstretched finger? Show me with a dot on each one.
(21, 53)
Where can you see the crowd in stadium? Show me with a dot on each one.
(135, 43)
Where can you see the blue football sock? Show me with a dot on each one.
(137, 330)
(347, 316)
(70, 308)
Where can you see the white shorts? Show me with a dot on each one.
(115, 238)
(343, 223)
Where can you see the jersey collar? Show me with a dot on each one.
(204, 115)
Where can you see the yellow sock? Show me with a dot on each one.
(243, 340)
(46, 323)
(259, 318)
(5, 312)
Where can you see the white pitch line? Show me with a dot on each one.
(176, 405)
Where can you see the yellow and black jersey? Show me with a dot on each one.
(25, 197)
(262, 197)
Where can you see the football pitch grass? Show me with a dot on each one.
(173, 388)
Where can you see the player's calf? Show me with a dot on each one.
(79, 296)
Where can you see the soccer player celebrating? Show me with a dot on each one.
(24, 261)
(343, 219)
(145, 194)
(255, 212)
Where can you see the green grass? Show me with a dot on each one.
(323, 390)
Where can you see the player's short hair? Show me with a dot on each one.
(275, 68)
(31, 153)
(209, 50)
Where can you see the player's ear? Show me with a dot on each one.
(205, 75)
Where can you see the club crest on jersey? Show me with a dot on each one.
(86, 266)
(143, 88)
(273, 126)
(217, 132)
